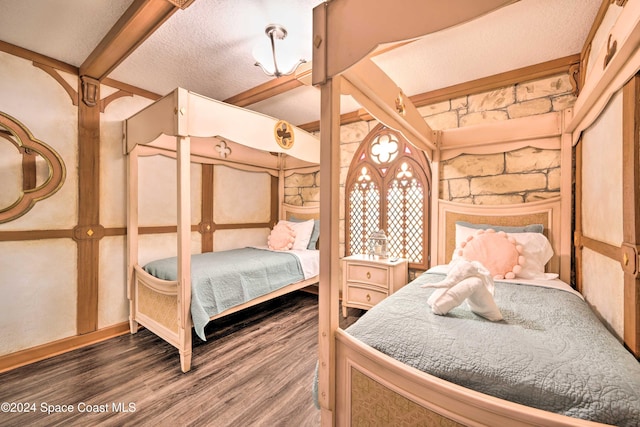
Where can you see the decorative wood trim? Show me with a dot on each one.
(568, 64)
(90, 90)
(109, 99)
(88, 207)
(612, 48)
(73, 94)
(586, 49)
(206, 212)
(575, 79)
(88, 232)
(25, 141)
(603, 248)
(131, 89)
(138, 22)
(45, 351)
(37, 58)
(15, 236)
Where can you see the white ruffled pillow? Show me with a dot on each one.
(302, 232)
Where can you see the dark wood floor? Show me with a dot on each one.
(255, 369)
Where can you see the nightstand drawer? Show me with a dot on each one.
(364, 296)
(367, 281)
(368, 274)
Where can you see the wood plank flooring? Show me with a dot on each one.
(255, 369)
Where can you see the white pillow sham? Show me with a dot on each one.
(303, 232)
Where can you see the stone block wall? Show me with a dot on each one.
(302, 189)
(519, 176)
(523, 175)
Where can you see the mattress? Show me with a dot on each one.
(222, 280)
(550, 352)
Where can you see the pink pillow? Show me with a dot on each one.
(281, 237)
(497, 252)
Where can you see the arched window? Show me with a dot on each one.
(388, 188)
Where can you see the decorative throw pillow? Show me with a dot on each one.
(302, 232)
(536, 248)
(281, 237)
(315, 234)
(497, 252)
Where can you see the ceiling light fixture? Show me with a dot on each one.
(276, 31)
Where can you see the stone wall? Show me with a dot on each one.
(519, 176)
(302, 189)
(524, 175)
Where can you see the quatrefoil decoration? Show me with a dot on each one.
(283, 133)
(223, 150)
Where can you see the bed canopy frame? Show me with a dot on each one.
(195, 129)
(350, 71)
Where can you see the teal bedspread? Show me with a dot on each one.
(550, 351)
(225, 279)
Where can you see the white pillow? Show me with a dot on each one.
(536, 249)
(303, 232)
(537, 252)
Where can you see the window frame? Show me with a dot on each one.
(382, 175)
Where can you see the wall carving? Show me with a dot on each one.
(33, 173)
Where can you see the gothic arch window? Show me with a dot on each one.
(387, 187)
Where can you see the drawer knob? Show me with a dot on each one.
(368, 298)
(368, 275)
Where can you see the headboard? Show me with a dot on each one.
(546, 212)
(299, 212)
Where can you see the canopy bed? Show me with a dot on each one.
(170, 296)
(362, 377)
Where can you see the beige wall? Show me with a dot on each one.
(39, 278)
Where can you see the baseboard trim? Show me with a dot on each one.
(45, 351)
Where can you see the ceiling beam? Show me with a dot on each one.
(265, 91)
(138, 22)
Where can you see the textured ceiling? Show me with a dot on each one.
(207, 48)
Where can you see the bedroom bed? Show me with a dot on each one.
(172, 295)
(358, 384)
(549, 361)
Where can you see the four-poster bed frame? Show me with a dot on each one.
(192, 128)
(344, 361)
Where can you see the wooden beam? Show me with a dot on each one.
(264, 91)
(139, 21)
(88, 231)
(36, 57)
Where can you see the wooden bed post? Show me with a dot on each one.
(184, 250)
(329, 238)
(435, 199)
(631, 212)
(566, 182)
(132, 233)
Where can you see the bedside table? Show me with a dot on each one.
(367, 281)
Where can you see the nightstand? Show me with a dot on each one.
(367, 281)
